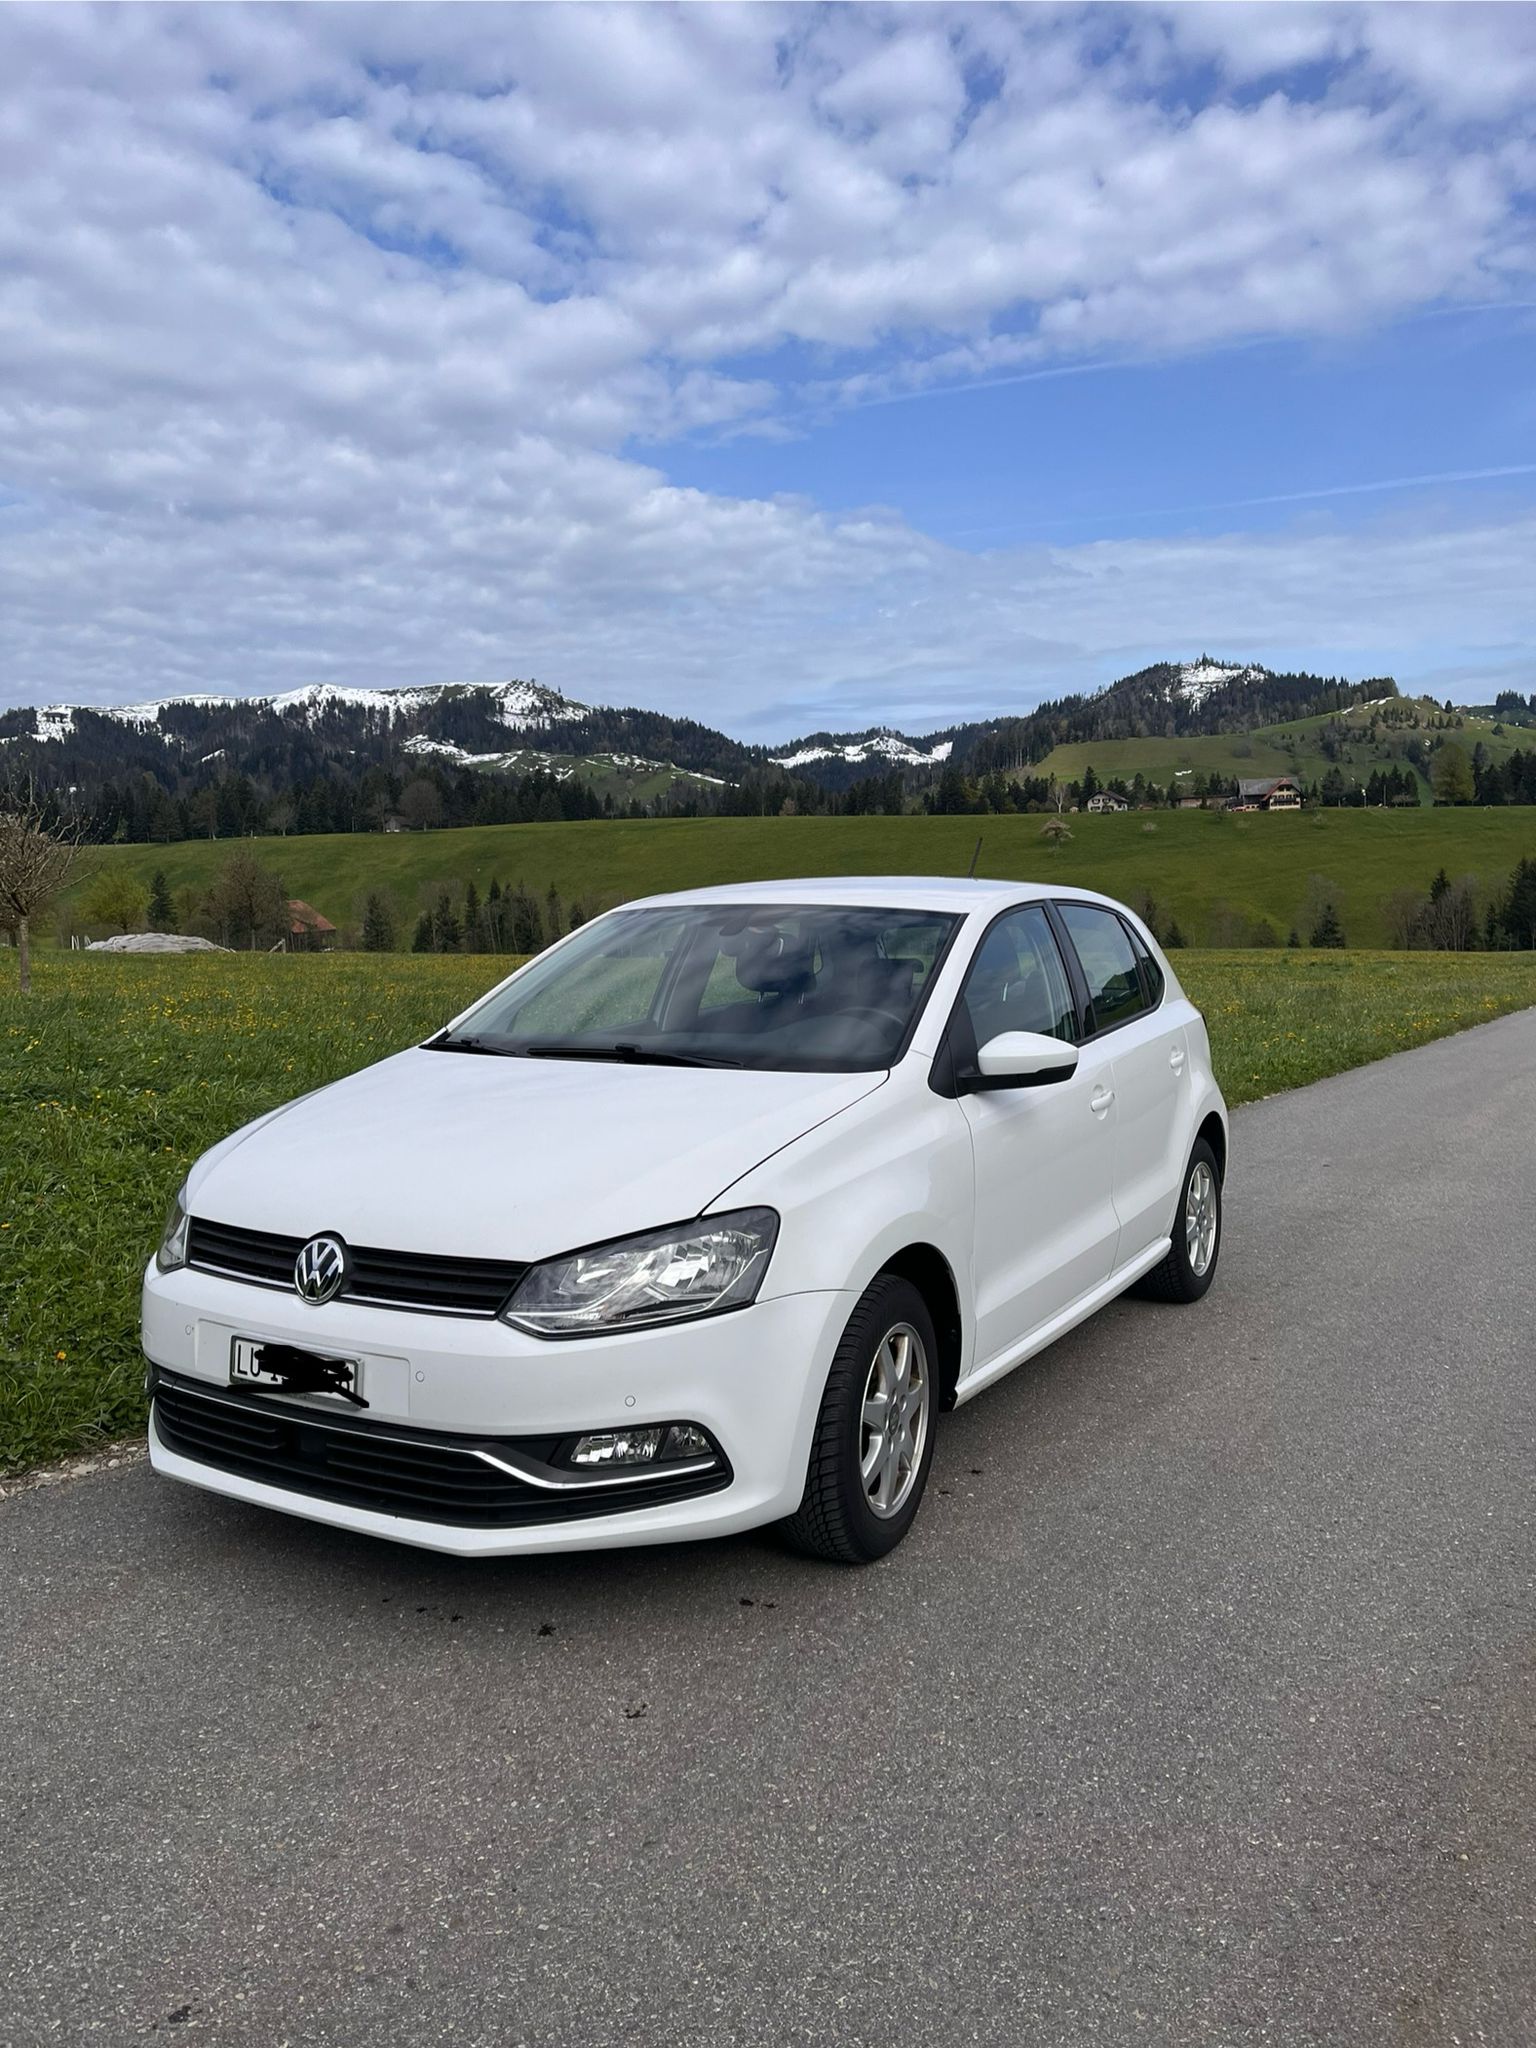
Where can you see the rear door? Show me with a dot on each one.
(1144, 1041)
(1046, 1229)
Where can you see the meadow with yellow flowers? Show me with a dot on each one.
(119, 1070)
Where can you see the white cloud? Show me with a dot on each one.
(328, 336)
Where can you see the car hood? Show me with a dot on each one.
(483, 1157)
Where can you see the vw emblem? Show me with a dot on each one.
(319, 1269)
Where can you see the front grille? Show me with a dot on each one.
(413, 1280)
(430, 1476)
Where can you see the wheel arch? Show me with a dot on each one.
(1214, 1132)
(925, 1267)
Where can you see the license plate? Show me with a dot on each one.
(286, 1369)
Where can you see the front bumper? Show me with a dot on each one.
(753, 1379)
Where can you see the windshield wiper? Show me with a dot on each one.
(446, 1043)
(626, 1055)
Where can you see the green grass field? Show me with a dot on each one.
(1193, 862)
(118, 1071)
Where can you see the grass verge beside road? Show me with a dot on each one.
(119, 1070)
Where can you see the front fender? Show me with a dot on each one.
(894, 1170)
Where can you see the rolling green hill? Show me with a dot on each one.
(1203, 867)
(1372, 737)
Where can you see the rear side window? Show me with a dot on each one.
(1152, 974)
(1103, 947)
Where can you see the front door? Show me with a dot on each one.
(1046, 1228)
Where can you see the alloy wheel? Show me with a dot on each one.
(1200, 1219)
(893, 1428)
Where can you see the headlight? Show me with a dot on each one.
(666, 1276)
(173, 1239)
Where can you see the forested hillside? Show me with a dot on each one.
(327, 759)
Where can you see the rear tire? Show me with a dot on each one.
(1190, 1267)
(866, 1476)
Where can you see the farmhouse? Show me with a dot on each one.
(1106, 800)
(308, 931)
(1268, 793)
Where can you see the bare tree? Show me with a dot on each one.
(38, 855)
(246, 904)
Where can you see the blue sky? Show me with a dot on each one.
(788, 367)
(1173, 444)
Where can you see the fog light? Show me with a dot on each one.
(618, 1447)
(684, 1441)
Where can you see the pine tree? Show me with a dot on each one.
(1517, 915)
(525, 927)
(378, 924)
(1328, 931)
(422, 941)
(446, 929)
(162, 911)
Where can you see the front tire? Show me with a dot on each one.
(873, 1444)
(1190, 1267)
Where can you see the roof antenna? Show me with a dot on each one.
(970, 873)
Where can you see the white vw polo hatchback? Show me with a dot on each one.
(699, 1221)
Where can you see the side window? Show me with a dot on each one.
(1017, 981)
(1103, 946)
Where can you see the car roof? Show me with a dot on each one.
(954, 893)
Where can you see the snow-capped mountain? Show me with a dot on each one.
(518, 706)
(877, 749)
(513, 728)
(517, 727)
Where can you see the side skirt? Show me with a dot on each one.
(1069, 1318)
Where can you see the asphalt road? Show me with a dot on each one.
(1198, 1708)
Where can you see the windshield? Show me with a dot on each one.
(819, 989)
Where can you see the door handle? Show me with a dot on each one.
(1176, 1059)
(1100, 1100)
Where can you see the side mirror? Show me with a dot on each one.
(1021, 1059)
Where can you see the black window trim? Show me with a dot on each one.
(1156, 995)
(1150, 1006)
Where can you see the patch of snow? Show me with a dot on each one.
(637, 764)
(149, 714)
(316, 696)
(418, 743)
(517, 705)
(530, 704)
(1197, 679)
(880, 746)
(57, 721)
